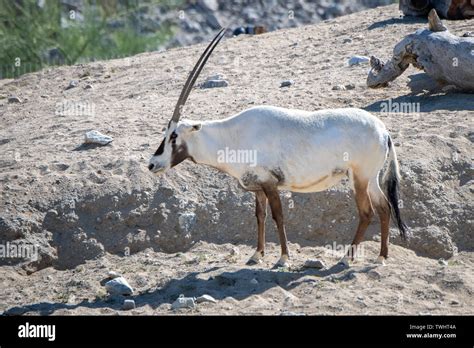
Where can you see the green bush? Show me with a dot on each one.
(32, 37)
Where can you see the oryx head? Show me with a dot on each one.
(173, 149)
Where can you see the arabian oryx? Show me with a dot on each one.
(296, 150)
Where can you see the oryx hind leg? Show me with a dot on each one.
(277, 213)
(382, 207)
(261, 214)
(364, 207)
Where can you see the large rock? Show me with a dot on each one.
(432, 241)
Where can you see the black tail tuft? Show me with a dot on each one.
(393, 192)
(393, 197)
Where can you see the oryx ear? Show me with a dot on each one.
(196, 127)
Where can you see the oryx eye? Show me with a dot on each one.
(173, 137)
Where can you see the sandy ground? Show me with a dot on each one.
(85, 206)
(408, 285)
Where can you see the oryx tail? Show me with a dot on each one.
(392, 180)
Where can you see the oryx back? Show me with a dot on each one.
(304, 151)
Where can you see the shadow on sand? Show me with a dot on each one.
(425, 98)
(236, 284)
(398, 20)
(86, 147)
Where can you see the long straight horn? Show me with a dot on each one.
(194, 75)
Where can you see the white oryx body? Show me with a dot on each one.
(292, 150)
(298, 150)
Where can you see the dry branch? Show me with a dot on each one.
(447, 58)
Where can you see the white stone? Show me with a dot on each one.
(14, 99)
(214, 84)
(183, 302)
(216, 80)
(118, 286)
(356, 60)
(206, 298)
(113, 275)
(72, 84)
(217, 76)
(314, 264)
(95, 137)
(128, 304)
(443, 262)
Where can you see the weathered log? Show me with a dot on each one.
(449, 9)
(447, 58)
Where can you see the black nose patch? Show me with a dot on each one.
(151, 166)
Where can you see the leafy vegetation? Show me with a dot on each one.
(35, 34)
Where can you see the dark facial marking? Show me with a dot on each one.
(178, 154)
(161, 148)
(172, 139)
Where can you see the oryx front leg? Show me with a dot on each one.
(277, 214)
(261, 214)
